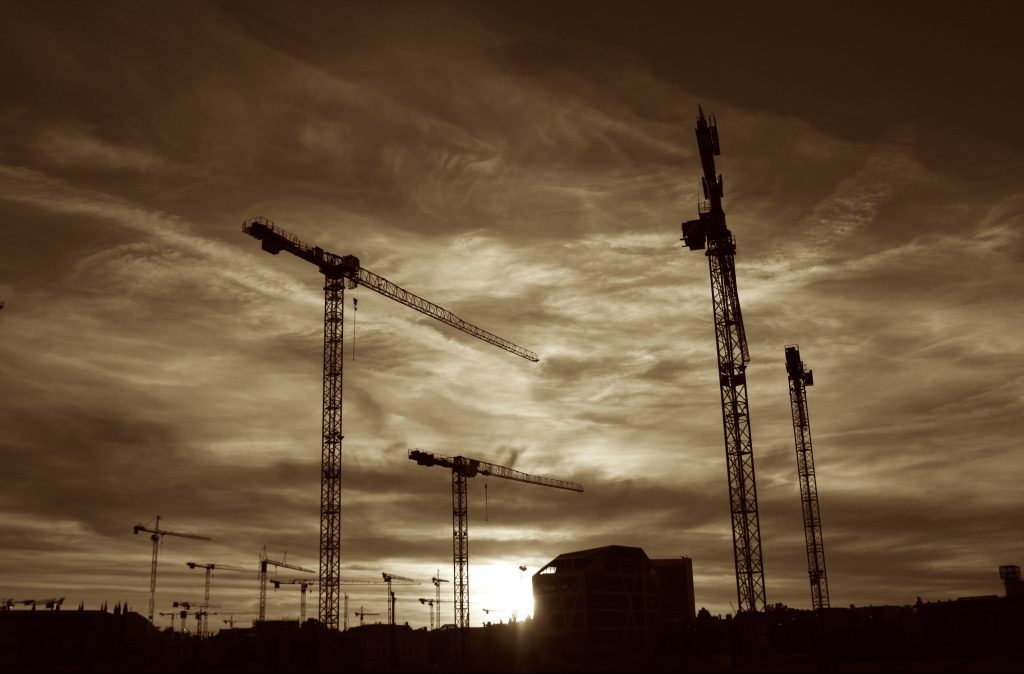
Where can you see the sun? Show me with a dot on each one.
(504, 590)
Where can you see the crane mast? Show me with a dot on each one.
(799, 380)
(462, 469)
(341, 271)
(710, 231)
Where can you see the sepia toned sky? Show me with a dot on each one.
(526, 166)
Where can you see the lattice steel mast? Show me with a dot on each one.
(799, 380)
(341, 272)
(710, 231)
(462, 469)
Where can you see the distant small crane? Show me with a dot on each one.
(430, 603)
(303, 584)
(437, 580)
(209, 575)
(230, 620)
(512, 612)
(462, 469)
(157, 535)
(173, 614)
(187, 606)
(389, 578)
(264, 562)
(362, 614)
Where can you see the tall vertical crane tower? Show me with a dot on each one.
(156, 533)
(799, 380)
(709, 231)
(341, 272)
(462, 469)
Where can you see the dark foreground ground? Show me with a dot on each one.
(977, 635)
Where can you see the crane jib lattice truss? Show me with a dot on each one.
(709, 231)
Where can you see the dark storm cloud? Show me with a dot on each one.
(868, 64)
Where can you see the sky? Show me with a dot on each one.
(526, 166)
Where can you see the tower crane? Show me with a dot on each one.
(264, 562)
(200, 612)
(170, 613)
(368, 582)
(362, 614)
(799, 380)
(341, 271)
(433, 603)
(185, 607)
(402, 580)
(156, 534)
(230, 621)
(303, 586)
(205, 613)
(437, 580)
(512, 612)
(462, 469)
(209, 575)
(430, 603)
(710, 231)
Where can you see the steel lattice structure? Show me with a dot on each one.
(341, 272)
(460, 540)
(799, 380)
(710, 231)
(330, 452)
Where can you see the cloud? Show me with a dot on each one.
(156, 361)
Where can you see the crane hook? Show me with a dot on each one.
(355, 309)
